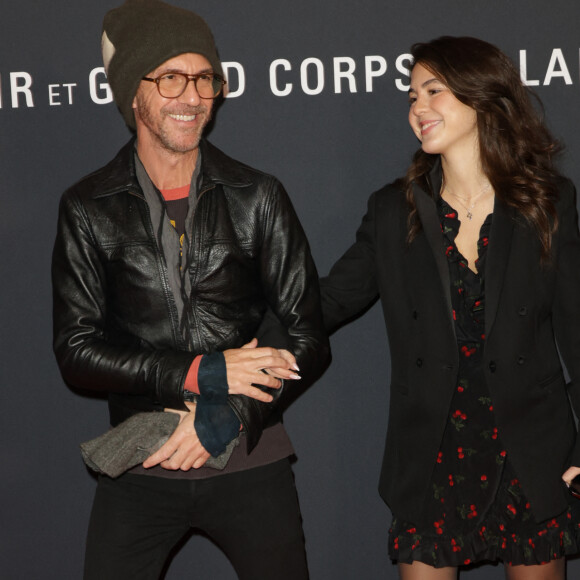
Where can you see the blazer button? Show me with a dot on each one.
(521, 360)
(492, 366)
(523, 311)
(415, 315)
(419, 362)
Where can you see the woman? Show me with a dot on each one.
(475, 256)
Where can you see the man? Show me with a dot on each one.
(164, 264)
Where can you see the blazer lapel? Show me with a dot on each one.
(500, 239)
(427, 211)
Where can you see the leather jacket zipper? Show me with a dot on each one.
(164, 276)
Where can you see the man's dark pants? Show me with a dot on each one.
(252, 515)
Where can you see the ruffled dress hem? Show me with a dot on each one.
(551, 542)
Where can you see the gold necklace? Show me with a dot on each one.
(461, 200)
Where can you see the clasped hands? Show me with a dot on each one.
(244, 367)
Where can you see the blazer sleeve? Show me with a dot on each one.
(351, 286)
(566, 308)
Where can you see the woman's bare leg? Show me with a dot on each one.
(554, 570)
(420, 571)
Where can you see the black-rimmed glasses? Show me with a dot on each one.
(172, 85)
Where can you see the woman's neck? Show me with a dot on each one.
(464, 177)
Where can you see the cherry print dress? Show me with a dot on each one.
(476, 510)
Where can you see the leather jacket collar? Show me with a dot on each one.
(120, 174)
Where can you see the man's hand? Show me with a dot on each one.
(183, 450)
(244, 367)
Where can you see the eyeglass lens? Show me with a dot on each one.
(174, 84)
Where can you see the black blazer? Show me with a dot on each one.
(531, 312)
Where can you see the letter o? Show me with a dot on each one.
(319, 76)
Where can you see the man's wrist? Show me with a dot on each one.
(191, 381)
(212, 378)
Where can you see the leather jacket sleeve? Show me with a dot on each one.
(290, 283)
(89, 355)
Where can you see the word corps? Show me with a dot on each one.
(312, 76)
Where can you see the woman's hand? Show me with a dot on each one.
(570, 474)
(244, 369)
(286, 372)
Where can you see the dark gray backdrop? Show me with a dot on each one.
(331, 150)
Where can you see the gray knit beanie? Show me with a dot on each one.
(140, 35)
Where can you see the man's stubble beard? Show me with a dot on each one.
(169, 140)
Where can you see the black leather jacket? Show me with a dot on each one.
(116, 324)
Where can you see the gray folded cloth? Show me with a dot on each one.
(135, 439)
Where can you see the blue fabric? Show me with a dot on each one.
(212, 377)
(216, 423)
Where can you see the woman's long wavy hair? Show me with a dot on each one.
(516, 148)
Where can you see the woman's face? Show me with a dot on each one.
(442, 123)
